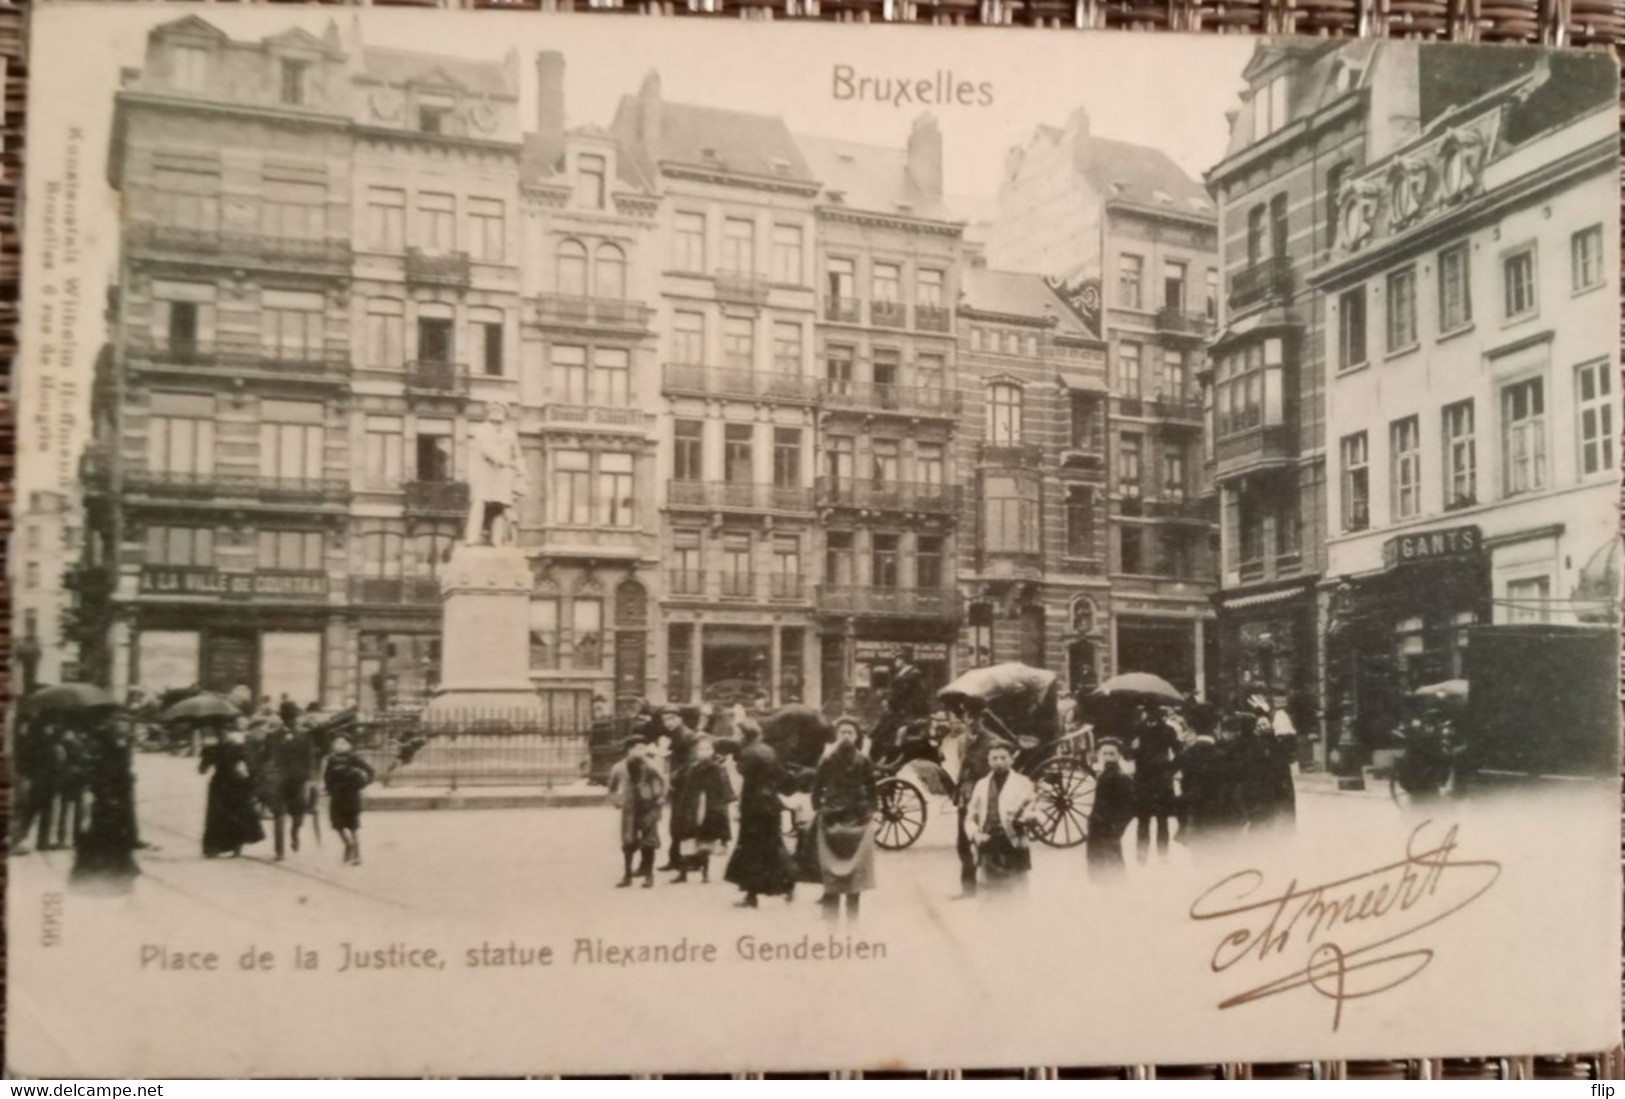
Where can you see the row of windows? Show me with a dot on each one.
(1520, 295)
(434, 223)
(883, 464)
(738, 253)
(1177, 292)
(1524, 443)
(1005, 417)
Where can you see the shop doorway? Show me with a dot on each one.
(1165, 647)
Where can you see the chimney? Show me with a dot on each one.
(1077, 129)
(550, 103)
(925, 156)
(649, 116)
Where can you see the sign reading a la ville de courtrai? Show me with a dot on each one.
(239, 585)
(1431, 545)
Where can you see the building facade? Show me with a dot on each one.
(889, 258)
(735, 286)
(1472, 405)
(1300, 130)
(1034, 547)
(1124, 230)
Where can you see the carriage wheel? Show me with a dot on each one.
(1065, 793)
(900, 814)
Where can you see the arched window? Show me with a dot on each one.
(572, 276)
(381, 556)
(609, 273)
(1004, 414)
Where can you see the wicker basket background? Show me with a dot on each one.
(1577, 24)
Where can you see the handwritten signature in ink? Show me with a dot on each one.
(1348, 939)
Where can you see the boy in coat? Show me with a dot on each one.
(345, 776)
(999, 807)
(638, 789)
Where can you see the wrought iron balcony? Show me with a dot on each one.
(436, 497)
(933, 498)
(570, 310)
(873, 398)
(1251, 570)
(685, 582)
(888, 314)
(1239, 451)
(888, 602)
(1011, 455)
(745, 287)
(1177, 321)
(433, 376)
(230, 360)
(786, 588)
(449, 269)
(738, 496)
(1179, 409)
(1083, 459)
(933, 318)
(1266, 280)
(251, 249)
(1188, 509)
(395, 590)
(233, 486)
(843, 310)
(736, 585)
(741, 384)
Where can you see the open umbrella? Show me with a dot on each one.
(797, 733)
(998, 680)
(202, 707)
(1139, 687)
(68, 698)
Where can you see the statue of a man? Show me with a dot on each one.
(496, 480)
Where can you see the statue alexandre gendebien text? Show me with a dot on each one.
(496, 481)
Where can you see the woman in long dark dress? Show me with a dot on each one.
(844, 797)
(699, 815)
(232, 820)
(761, 864)
(104, 849)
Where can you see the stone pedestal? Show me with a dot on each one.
(485, 636)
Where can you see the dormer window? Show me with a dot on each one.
(189, 66)
(434, 120)
(295, 82)
(1269, 107)
(591, 181)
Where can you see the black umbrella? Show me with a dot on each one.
(797, 733)
(1139, 687)
(70, 698)
(202, 707)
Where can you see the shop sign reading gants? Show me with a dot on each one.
(1431, 545)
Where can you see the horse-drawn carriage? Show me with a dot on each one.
(1019, 705)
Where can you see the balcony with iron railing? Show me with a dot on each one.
(395, 590)
(1267, 280)
(685, 584)
(1175, 320)
(745, 287)
(436, 497)
(233, 360)
(786, 588)
(574, 311)
(1179, 507)
(1011, 455)
(738, 496)
(1181, 410)
(237, 487)
(432, 376)
(445, 269)
(932, 498)
(1244, 448)
(1087, 459)
(933, 318)
(184, 242)
(883, 602)
(888, 314)
(878, 398)
(1251, 570)
(843, 310)
(751, 385)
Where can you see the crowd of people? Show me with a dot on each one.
(265, 762)
(1179, 773)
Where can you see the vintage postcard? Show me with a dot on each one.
(550, 545)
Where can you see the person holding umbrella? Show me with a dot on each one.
(104, 849)
(231, 820)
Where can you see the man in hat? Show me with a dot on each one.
(979, 741)
(680, 740)
(1153, 749)
(1113, 809)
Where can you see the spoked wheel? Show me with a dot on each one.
(900, 814)
(1065, 792)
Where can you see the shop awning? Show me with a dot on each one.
(1082, 380)
(1263, 598)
